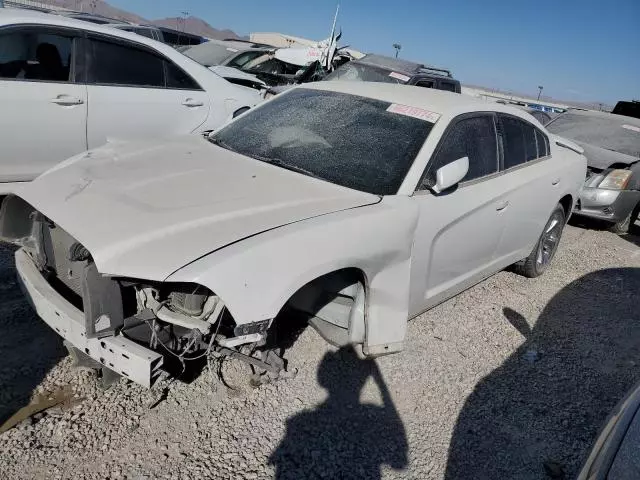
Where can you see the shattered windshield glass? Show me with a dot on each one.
(610, 132)
(359, 72)
(344, 139)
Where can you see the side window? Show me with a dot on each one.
(513, 141)
(448, 86)
(530, 145)
(543, 144)
(35, 54)
(117, 64)
(473, 137)
(425, 83)
(179, 79)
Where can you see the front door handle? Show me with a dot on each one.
(67, 100)
(190, 102)
(502, 206)
(555, 182)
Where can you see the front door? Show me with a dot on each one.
(42, 110)
(137, 93)
(459, 230)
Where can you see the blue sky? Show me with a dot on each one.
(580, 50)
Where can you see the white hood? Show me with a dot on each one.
(144, 210)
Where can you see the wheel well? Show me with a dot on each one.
(567, 204)
(334, 305)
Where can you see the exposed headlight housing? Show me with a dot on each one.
(616, 179)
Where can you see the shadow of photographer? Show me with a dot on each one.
(343, 437)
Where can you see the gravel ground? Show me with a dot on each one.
(511, 379)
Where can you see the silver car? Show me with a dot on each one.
(612, 146)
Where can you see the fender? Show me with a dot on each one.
(257, 276)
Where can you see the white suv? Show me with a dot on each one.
(67, 86)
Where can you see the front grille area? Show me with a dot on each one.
(68, 272)
(53, 247)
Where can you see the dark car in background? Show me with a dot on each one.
(378, 68)
(611, 144)
(628, 109)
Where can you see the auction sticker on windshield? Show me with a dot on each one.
(414, 112)
(399, 76)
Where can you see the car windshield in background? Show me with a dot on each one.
(611, 133)
(209, 54)
(359, 72)
(344, 139)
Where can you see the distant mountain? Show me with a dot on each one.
(97, 7)
(193, 25)
(196, 26)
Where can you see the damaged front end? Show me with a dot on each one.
(131, 327)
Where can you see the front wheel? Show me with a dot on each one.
(544, 251)
(624, 225)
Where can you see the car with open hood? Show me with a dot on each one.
(356, 205)
(611, 143)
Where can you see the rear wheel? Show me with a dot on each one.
(544, 251)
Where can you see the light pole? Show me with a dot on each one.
(539, 91)
(398, 47)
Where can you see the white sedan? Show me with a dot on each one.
(67, 86)
(360, 205)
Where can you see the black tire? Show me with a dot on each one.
(539, 259)
(623, 226)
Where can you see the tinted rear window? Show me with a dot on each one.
(344, 139)
(513, 141)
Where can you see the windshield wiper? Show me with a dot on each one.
(216, 141)
(295, 168)
(287, 166)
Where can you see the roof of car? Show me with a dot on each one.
(606, 115)
(402, 66)
(434, 100)
(399, 65)
(12, 16)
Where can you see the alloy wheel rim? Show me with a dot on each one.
(550, 240)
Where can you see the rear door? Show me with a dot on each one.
(533, 184)
(135, 92)
(459, 231)
(42, 108)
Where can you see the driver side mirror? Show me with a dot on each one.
(450, 175)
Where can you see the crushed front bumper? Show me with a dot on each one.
(604, 204)
(114, 352)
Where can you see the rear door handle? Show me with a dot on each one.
(190, 102)
(502, 206)
(67, 100)
(556, 181)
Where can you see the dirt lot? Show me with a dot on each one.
(512, 376)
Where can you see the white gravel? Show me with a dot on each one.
(508, 377)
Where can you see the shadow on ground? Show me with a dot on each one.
(343, 437)
(542, 409)
(28, 347)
